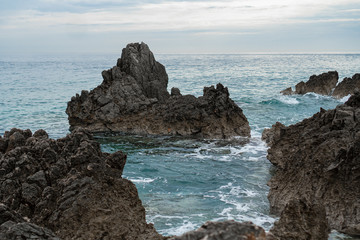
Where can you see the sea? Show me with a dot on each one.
(182, 182)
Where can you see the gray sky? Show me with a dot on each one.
(203, 26)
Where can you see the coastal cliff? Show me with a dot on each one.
(318, 160)
(133, 98)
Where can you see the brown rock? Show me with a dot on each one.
(287, 91)
(322, 84)
(302, 220)
(227, 230)
(70, 187)
(347, 86)
(133, 98)
(318, 159)
(269, 134)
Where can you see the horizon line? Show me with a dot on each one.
(186, 53)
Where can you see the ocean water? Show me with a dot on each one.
(182, 182)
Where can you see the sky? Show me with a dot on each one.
(202, 26)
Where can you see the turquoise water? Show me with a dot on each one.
(182, 182)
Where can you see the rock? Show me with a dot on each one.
(13, 226)
(347, 86)
(302, 220)
(287, 91)
(67, 187)
(322, 84)
(227, 230)
(133, 98)
(269, 134)
(319, 159)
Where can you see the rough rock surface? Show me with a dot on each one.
(269, 134)
(347, 86)
(133, 98)
(68, 186)
(228, 230)
(319, 159)
(322, 84)
(302, 220)
(13, 226)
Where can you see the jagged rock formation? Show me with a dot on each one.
(318, 159)
(322, 84)
(68, 186)
(302, 220)
(347, 86)
(133, 98)
(13, 226)
(225, 230)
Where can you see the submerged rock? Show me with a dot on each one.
(225, 230)
(347, 86)
(322, 84)
(68, 186)
(318, 159)
(133, 98)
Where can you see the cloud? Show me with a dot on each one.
(176, 15)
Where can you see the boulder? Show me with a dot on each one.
(67, 188)
(319, 159)
(227, 230)
(133, 98)
(322, 84)
(347, 86)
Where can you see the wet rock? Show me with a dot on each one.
(319, 159)
(133, 98)
(322, 84)
(287, 91)
(302, 220)
(225, 230)
(347, 86)
(68, 186)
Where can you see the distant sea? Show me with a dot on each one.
(182, 182)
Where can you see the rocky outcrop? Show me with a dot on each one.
(225, 230)
(302, 220)
(347, 86)
(318, 160)
(66, 187)
(133, 98)
(322, 84)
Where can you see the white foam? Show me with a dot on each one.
(185, 227)
(288, 100)
(344, 99)
(142, 180)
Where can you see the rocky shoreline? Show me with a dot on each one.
(69, 189)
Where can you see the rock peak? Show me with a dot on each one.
(139, 62)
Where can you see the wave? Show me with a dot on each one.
(142, 180)
(288, 100)
(344, 99)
